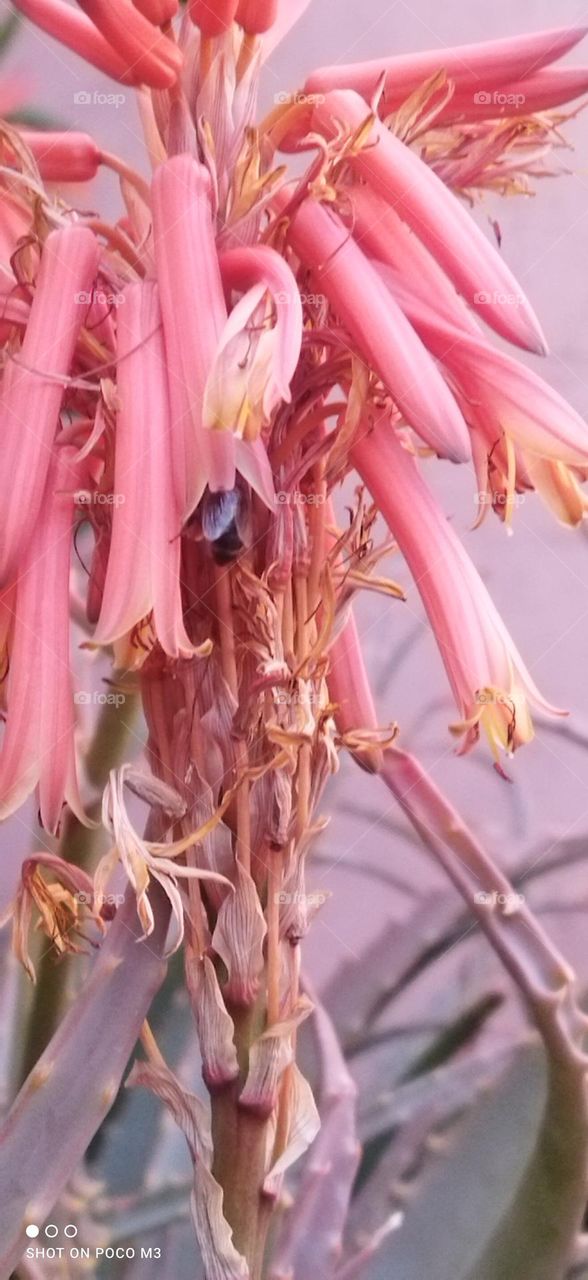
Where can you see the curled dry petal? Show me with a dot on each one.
(303, 1125)
(215, 1027)
(269, 1057)
(258, 355)
(144, 860)
(61, 905)
(238, 939)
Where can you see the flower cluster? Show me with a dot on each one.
(186, 390)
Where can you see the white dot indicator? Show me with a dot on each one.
(32, 1230)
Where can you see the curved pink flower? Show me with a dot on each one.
(143, 573)
(64, 157)
(437, 217)
(194, 315)
(494, 389)
(379, 330)
(75, 30)
(34, 383)
(383, 236)
(146, 51)
(257, 16)
(38, 744)
(490, 682)
(157, 11)
(551, 87)
(485, 66)
(213, 17)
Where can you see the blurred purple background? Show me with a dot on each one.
(539, 576)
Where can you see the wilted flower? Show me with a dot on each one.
(64, 905)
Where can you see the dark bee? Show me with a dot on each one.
(224, 519)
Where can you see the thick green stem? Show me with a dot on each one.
(80, 845)
(239, 1141)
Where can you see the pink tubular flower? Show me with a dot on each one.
(496, 391)
(382, 336)
(486, 67)
(545, 89)
(212, 16)
(38, 744)
(490, 682)
(350, 692)
(64, 157)
(157, 11)
(144, 558)
(146, 51)
(257, 16)
(385, 238)
(194, 315)
(33, 385)
(74, 29)
(437, 217)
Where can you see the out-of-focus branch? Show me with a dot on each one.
(538, 1231)
(73, 1085)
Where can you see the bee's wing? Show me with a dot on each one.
(218, 512)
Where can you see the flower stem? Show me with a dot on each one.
(78, 844)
